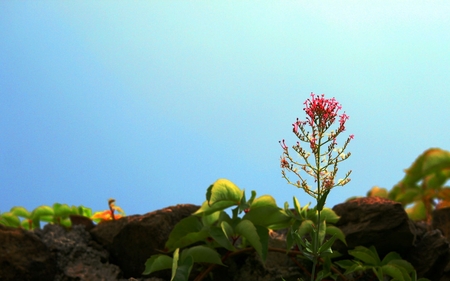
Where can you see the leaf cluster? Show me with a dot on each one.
(422, 186)
(391, 265)
(57, 214)
(211, 235)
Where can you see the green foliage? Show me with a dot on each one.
(211, 228)
(422, 185)
(58, 214)
(392, 265)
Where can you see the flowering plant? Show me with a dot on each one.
(321, 115)
(211, 236)
(108, 214)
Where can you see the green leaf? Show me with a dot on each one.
(393, 271)
(378, 192)
(219, 206)
(202, 254)
(268, 216)
(378, 273)
(333, 230)
(297, 206)
(27, 224)
(417, 212)
(219, 236)
(304, 211)
(402, 264)
(210, 219)
(305, 227)
(227, 229)
(176, 257)
(438, 179)
(186, 232)
(224, 190)
(350, 266)
(326, 247)
(329, 215)
(431, 161)
(20, 212)
(411, 194)
(323, 199)
(65, 222)
(345, 263)
(183, 269)
(47, 218)
(322, 231)
(248, 230)
(42, 211)
(368, 256)
(83, 211)
(9, 219)
(289, 241)
(390, 257)
(263, 234)
(288, 211)
(263, 201)
(157, 263)
(62, 210)
(252, 198)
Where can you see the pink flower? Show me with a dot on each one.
(295, 127)
(283, 145)
(321, 111)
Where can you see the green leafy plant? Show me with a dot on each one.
(57, 214)
(214, 228)
(322, 141)
(218, 236)
(423, 187)
(392, 265)
(311, 230)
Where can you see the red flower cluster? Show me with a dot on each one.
(322, 112)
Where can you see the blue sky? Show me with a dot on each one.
(150, 102)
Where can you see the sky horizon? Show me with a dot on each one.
(151, 102)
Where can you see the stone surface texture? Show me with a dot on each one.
(23, 256)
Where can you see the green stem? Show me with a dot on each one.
(317, 223)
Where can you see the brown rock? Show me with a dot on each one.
(430, 255)
(133, 239)
(78, 257)
(24, 257)
(375, 221)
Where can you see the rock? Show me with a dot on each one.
(374, 221)
(430, 255)
(133, 239)
(23, 256)
(441, 221)
(78, 256)
(117, 250)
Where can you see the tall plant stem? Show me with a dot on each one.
(317, 223)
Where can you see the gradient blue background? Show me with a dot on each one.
(150, 102)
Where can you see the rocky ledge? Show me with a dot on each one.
(117, 250)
